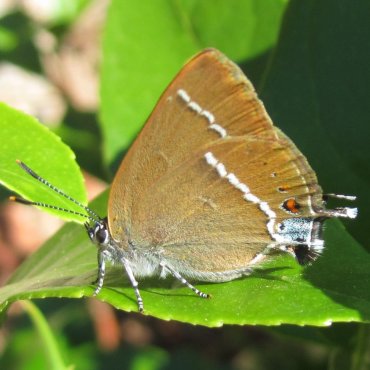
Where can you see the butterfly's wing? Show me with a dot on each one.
(208, 173)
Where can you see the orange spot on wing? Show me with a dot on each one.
(291, 205)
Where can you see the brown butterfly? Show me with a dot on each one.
(209, 188)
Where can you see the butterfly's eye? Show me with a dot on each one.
(101, 234)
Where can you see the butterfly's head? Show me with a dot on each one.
(98, 232)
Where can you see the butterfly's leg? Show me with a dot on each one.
(184, 281)
(101, 273)
(134, 283)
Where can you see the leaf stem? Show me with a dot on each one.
(48, 340)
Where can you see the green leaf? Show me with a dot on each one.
(146, 43)
(330, 290)
(25, 139)
(144, 46)
(242, 30)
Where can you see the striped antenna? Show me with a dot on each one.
(340, 196)
(44, 205)
(93, 216)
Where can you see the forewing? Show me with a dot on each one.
(174, 131)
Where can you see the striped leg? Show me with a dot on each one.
(134, 283)
(184, 281)
(101, 273)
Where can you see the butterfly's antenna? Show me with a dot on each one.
(93, 215)
(340, 196)
(44, 205)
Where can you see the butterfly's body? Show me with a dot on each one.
(210, 187)
(151, 261)
(143, 261)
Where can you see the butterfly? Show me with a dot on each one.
(210, 188)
